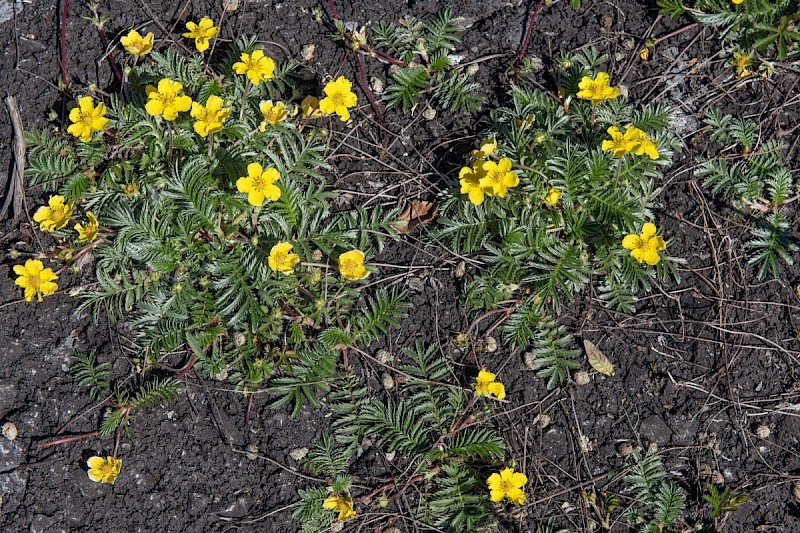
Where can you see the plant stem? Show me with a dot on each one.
(169, 152)
(526, 40)
(244, 99)
(64, 77)
(64, 440)
(210, 144)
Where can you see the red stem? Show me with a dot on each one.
(67, 439)
(527, 39)
(64, 78)
(110, 56)
(187, 367)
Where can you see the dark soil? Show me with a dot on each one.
(700, 366)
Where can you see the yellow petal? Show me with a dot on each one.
(631, 241)
(648, 230)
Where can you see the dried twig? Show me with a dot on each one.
(16, 186)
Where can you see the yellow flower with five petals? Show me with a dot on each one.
(507, 484)
(88, 232)
(470, 180)
(167, 100)
(256, 66)
(273, 113)
(351, 265)
(639, 143)
(201, 32)
(137, 45)
(343, 504)
(209, 117)
(87, 118)
(281, 258)
(485, 385)
(597, 90)
(35, 279)
(259, 184)
(617, 145)
(497, 178)
(552, 197)
(54, 215)
(339, 98)
(104, 469)
(645, 247)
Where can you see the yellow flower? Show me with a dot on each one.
(487, 149)
(310, 107)
(552, 197)
(273, 113)
(343, 504)
(259, 184)
(741, 60)
(54, 215)
(597, 90)
(256, 66)
(618, 146)
(210, 117)
(167, 100)
(130, 189)
(137, 45)
(645, 247)
(639, 143)
(281, 259)
(351, 265)
(35, 279)
(507, 484)
(485, 385)
(737, 2)
(201, 33)
(87, 118)
(104, 470)
(470, 180)
(88, 233)
(339, 98)
(497, 177)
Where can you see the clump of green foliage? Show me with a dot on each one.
(125, 397)
(434, 434)
(768, 29)
(424, 51)
(183, 257)
(561, 227)
(757, 182)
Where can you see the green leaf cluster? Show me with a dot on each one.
(183, 257)
(431, 429)
(427, 51)
(757, 182)
(536, 256)
(766, 27)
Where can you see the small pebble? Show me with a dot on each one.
(472, 69)
(376, 85)
(491, 345)
(10, 431)
(530, 361)
(606, 20)
(762, 431)
(384, 357)
(307, 53)
(628, 44)
(429, 113)
(298, 454)
(796, 491)
(252, 452)
(581, 377)
(388, 381)
(542, 420)
(624, 449)
(460, 270)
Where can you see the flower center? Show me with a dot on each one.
(259, 183)
(57, 213)
(338, 98)
(34, 282)
(507, 487)
(280, 258)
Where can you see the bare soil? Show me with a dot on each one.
(700, 366)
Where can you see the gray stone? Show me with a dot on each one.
(654, 429)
